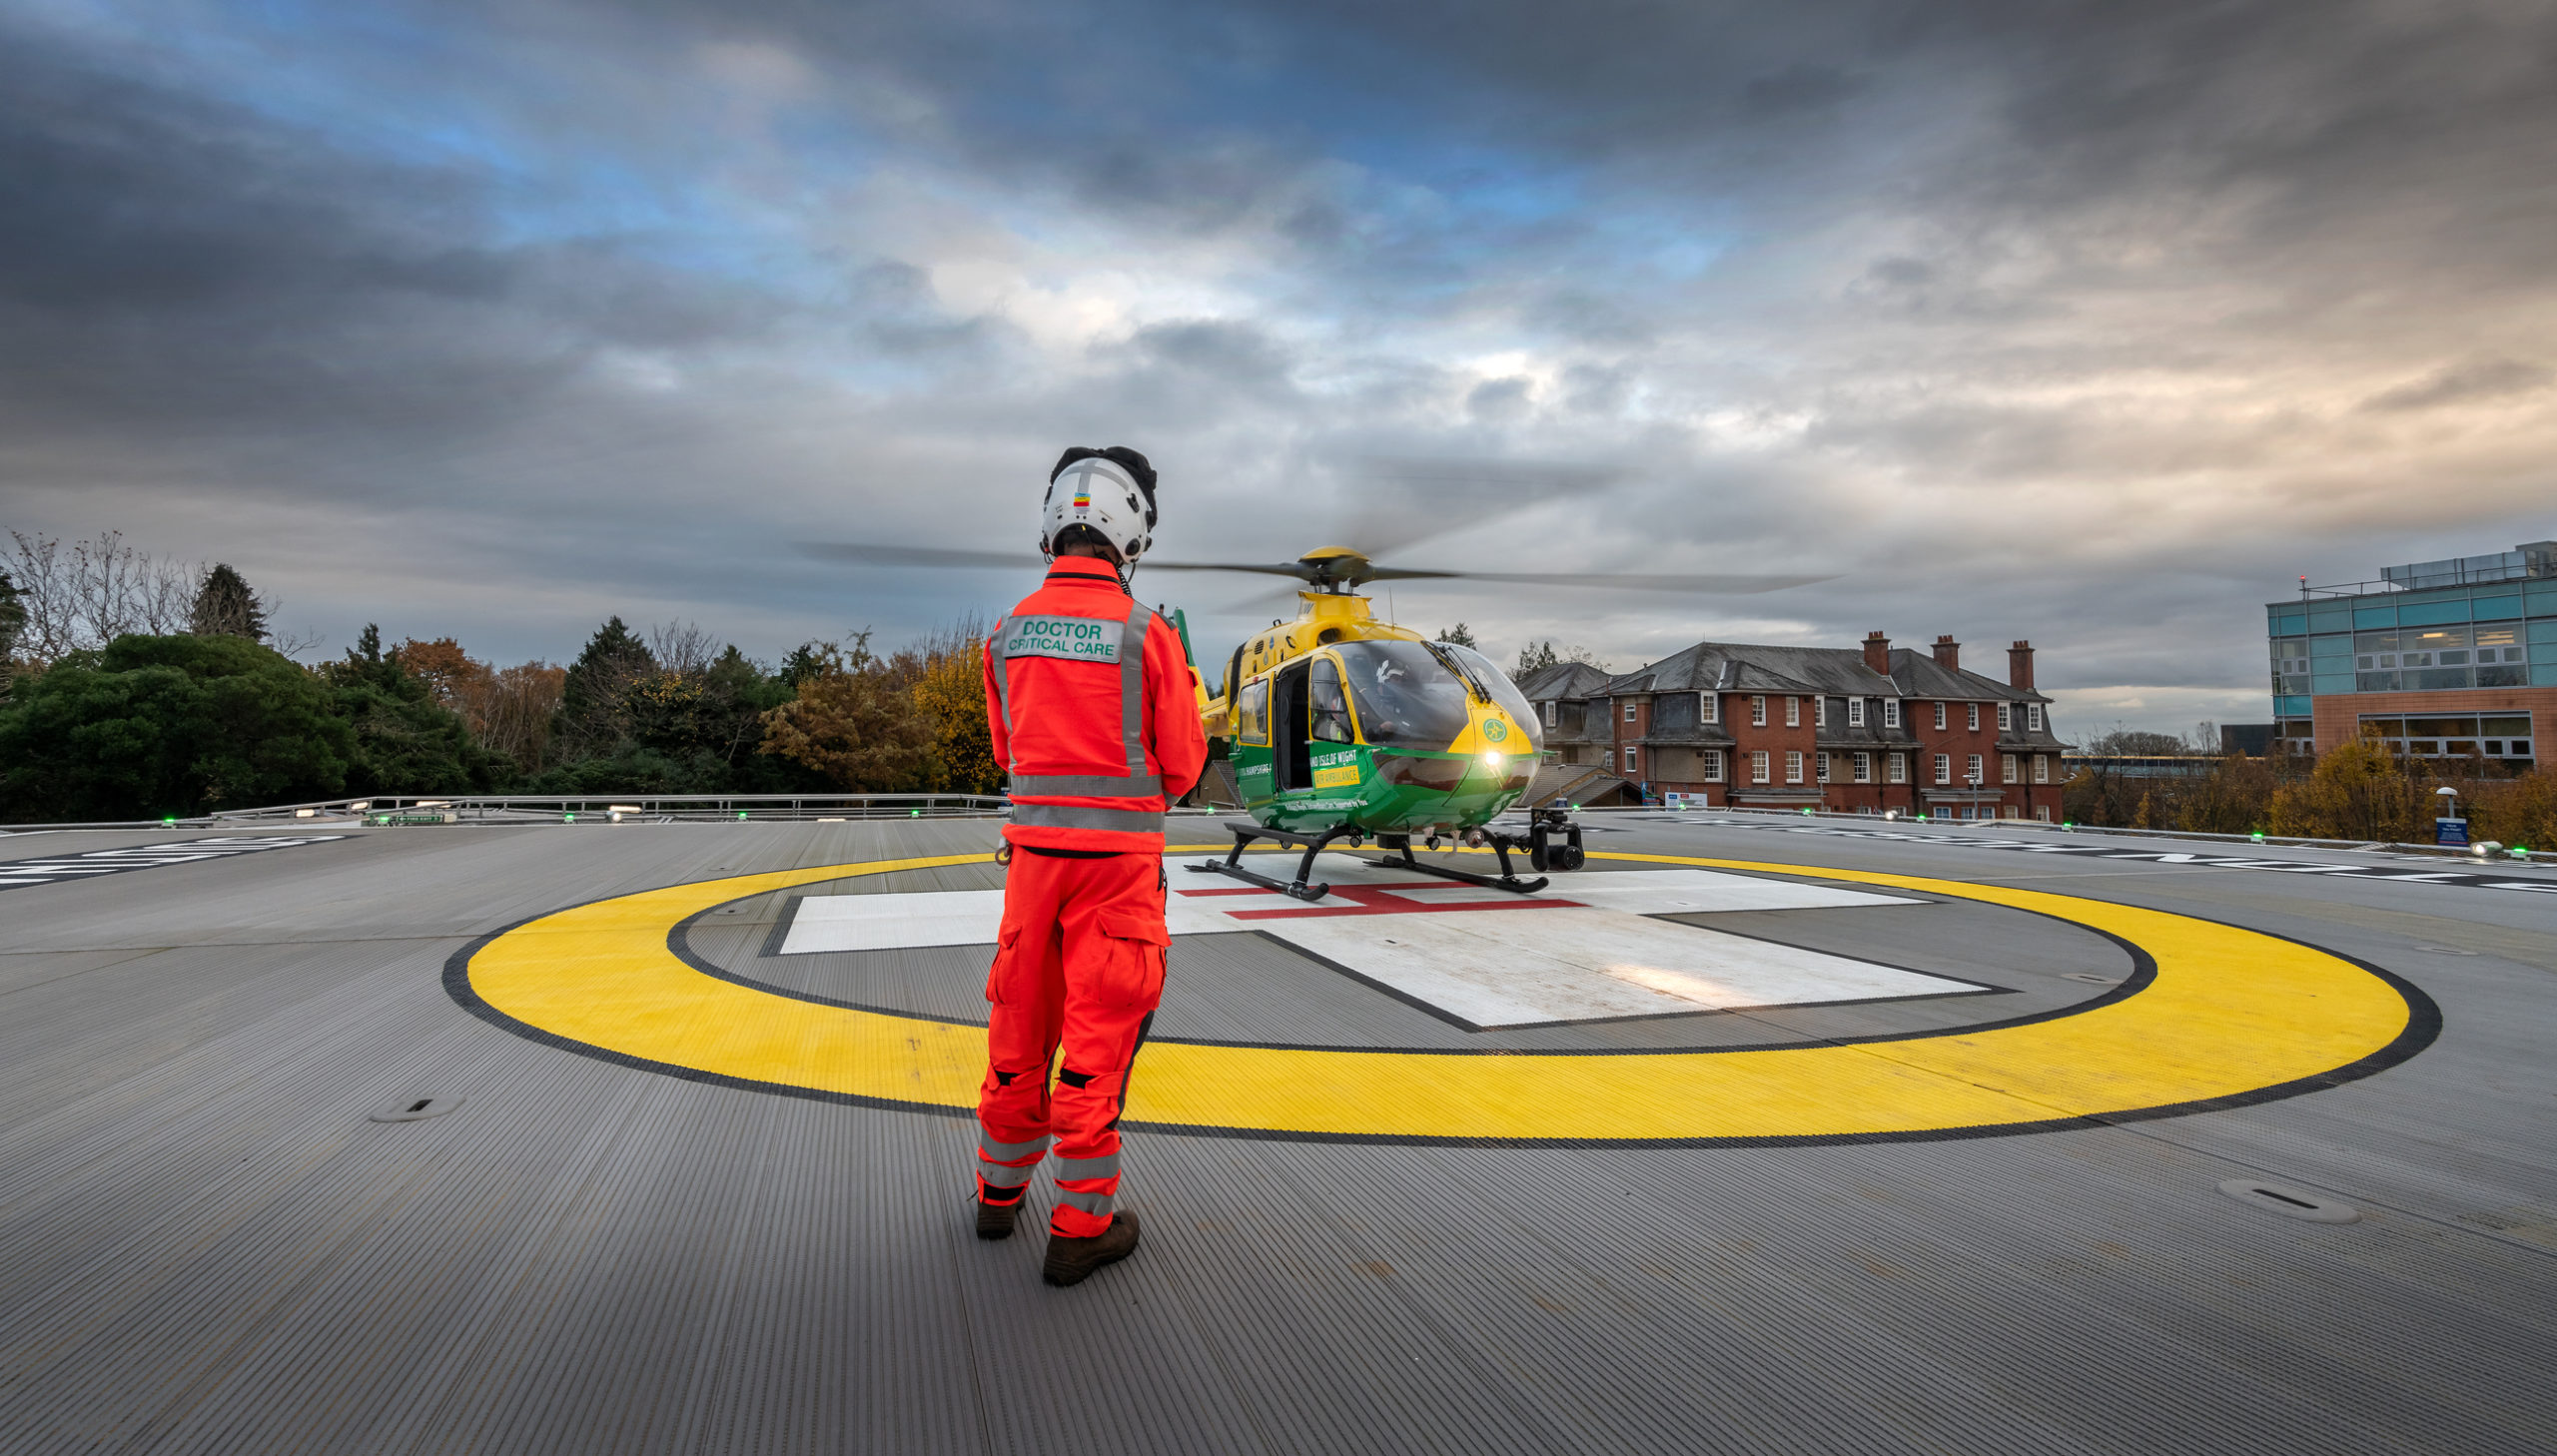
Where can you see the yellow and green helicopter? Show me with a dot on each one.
(1344, 728)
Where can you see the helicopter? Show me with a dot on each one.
(1343, 727)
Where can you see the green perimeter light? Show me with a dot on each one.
(741, 814)
(567, 818)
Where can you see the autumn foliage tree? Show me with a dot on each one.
(949, 692)
(853, 723)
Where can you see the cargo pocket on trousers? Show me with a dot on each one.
(1134, 975)
(999, 977)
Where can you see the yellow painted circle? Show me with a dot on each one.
(2228, 1015)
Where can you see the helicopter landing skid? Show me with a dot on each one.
(1501, 844)
(1231, 864)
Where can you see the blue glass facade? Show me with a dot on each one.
(2480, 635)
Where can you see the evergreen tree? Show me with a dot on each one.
(1536, 657)
(1459, 634)
(148, 726)
(226, 607)
(13, 620)
(594, 701)
(405, 741)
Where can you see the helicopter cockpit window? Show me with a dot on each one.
(1505, 693)
(1329, 706)
(1256, 712)
(1406, 696)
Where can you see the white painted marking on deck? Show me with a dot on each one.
(1584, 950)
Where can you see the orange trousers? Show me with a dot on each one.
(1079, 969)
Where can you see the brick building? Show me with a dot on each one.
(1815, 727)
(2441, 659)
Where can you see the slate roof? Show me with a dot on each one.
(1564, 680)
(1752, 668)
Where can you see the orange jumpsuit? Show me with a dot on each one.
(1095, 718)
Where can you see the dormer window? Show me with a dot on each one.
(1855, 712)
(1891, 713)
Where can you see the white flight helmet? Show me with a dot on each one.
(1101, 494)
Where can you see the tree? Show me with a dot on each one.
(406, 741)
(2360, 790)
(226, 607)
(1459, 634)
(853, 723)
(950, 694)
(149, 726)
(1536, 657)
(13, 620)
(594, 717)
(441, 664)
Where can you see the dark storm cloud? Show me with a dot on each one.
(2087, 322)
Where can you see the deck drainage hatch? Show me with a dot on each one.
(2288, 1202)
(417, 1109)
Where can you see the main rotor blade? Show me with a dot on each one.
(887, 555)
(1148, 564)
(1724, 583)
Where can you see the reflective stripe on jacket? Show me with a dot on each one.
(1093, 713)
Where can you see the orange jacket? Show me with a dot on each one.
(1098, 732)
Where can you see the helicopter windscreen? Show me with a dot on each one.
(1408, 698)
(1505, 692)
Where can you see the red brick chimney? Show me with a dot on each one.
(2020, 666)
(1948, 652)
(1878, 653)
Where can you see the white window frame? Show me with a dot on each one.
(1793, 765)
(2032, 716)
(1940, 715)
(2006, 717)
(2042, 768)
(1974, 771)
(1891, 712)
(1713, 765)
(1863, 768)
(1975, 717)
(1549, 712)
(1820, 768)
(1632, 763)
(2012, 771)
(1793, 713)
(1819, 711)
(1758, 710)
(1855, 712)
(1708, 708)
(1629, 711)
(1898, 768)
(1758, 766)
(1944, 765)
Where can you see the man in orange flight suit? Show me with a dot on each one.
(1095, 718)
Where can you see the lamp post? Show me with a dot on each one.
(2448, 827)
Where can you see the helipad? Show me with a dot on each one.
(1752, 1136)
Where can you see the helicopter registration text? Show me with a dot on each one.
(1075, 639)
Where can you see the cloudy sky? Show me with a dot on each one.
(2095, 323)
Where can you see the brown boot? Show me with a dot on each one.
(1072, 1260)
(995, 1221)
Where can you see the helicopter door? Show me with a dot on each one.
(1291, 765)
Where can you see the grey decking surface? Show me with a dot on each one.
(204, 1247)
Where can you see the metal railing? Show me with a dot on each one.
(2469, 854)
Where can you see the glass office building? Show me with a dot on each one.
(2441, 658)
